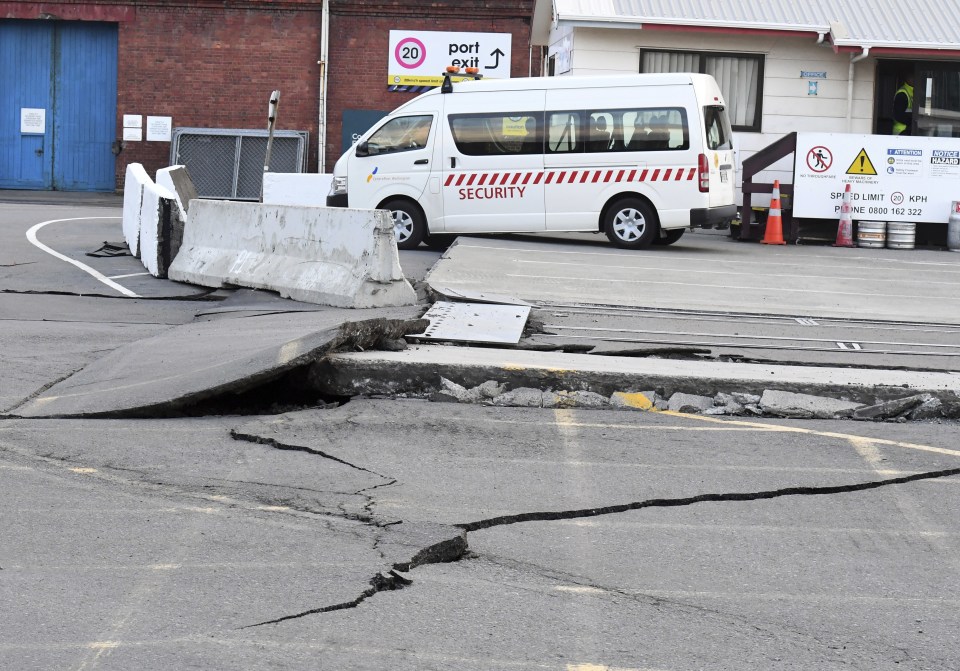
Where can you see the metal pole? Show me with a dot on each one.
(271, 123)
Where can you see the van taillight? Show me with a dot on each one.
(703, 173)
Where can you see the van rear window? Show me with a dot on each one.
(497, 134)
(717, 125)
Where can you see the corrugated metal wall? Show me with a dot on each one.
(69, 70)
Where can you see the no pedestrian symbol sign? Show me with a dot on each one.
(819, 159)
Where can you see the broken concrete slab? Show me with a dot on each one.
(167, 373)
(888, 409)
(690, 403)
(805, 406)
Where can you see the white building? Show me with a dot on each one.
(783, 65)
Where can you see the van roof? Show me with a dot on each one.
(581, 81)
(576, 82)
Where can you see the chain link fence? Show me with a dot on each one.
(227, 163)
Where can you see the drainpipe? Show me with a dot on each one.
(853, 61)
(322, 116)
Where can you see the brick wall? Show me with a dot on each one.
(213, 64)
(212, 67)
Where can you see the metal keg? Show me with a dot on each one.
(871, 233)
(901, 234)
(953, 227)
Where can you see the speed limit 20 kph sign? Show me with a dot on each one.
(419, 58)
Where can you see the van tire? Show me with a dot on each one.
(631, 223)
(409, 224)
(439, 241)
(669, 237)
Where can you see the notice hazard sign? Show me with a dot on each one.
(861, 165)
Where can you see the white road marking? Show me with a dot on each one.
(32, 237)
(120, 277)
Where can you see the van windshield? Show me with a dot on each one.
(719, 135)
(400, 134)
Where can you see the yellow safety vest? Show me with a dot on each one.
(907, 90)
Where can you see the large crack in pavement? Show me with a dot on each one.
(456, 548)
(550, 516)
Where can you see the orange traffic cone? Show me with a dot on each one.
(845, 229)
(774, 232)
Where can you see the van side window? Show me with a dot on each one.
(497, 134)
(563, 133)
(717, 126)
(661, 129)
(401, 134)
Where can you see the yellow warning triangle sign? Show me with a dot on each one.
(861, 165)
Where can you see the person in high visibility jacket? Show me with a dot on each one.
(903, 107)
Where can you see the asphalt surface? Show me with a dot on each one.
(407, 534)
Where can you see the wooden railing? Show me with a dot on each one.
(763, 159)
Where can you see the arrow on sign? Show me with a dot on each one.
(496, 63)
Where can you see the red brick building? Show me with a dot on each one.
(210, 64)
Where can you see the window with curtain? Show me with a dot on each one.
(740, 77)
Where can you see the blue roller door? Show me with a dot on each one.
(69, 71)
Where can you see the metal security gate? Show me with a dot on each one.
(228, 163)
(58, 109)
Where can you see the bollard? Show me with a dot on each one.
(953, 227)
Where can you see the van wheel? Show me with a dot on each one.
(631, 224)
(669, 237)
(408, 223)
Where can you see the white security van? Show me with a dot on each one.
(640, 157)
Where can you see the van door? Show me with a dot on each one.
(394, 160)
(720, 156)
(492, 168)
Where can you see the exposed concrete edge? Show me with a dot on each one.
(419, 369)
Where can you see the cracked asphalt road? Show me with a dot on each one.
(401, 534)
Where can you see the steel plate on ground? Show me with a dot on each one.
(475, 322)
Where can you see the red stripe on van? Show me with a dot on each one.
(472, 179)
(572, 177)
(608, 176)
(561, 176)
(693, 171)
(643, 175)
(460, 179)
(449, 180)
(679, 174)
(516, 178)
(632, 174)
(483, 178)
(619, 176)
(503, 180)
(655, 176)
(539, 177)
(666, 175)
(527, 176)
(586, 176)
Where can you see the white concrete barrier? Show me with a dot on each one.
(133, 183)
(177, 179)
(296, 188)
(159, 216)
(330, 256)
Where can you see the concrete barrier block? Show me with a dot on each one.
(296, 188)
(158, 217)
(329, 256)
(133, 183)
(177, 179)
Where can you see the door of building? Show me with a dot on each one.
(59, 105)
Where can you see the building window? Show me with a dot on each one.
(740, 77)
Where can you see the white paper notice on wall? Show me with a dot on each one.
(132, 121)
(159, 128)
(33, 121)
(132, 134)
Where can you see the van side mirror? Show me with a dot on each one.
(363, 149)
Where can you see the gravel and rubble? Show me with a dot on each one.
(771, 403)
